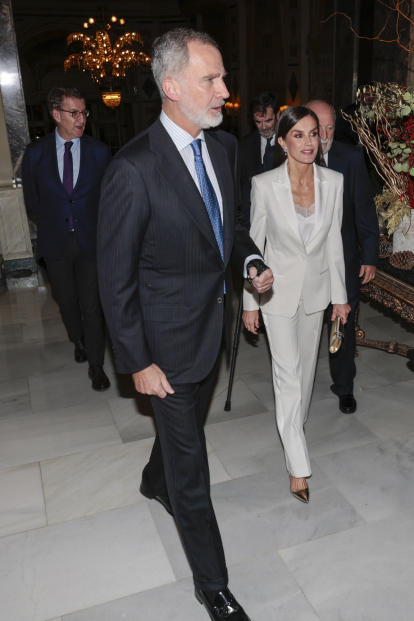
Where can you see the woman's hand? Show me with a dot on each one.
(341, 310)
(251, 320)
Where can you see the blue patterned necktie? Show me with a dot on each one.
(208, 194)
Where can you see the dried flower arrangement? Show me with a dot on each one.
(385, 125)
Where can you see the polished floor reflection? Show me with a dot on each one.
(78, 542)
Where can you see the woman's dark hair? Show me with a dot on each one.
(287, 120)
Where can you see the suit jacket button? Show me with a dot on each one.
(66, 220)
(70, 200)
(219, 300)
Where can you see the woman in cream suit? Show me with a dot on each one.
(296, 214)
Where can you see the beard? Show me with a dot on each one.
(326, 145)
(204, 119)
(267, 133)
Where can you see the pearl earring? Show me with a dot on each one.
(285, 150)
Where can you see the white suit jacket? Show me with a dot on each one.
(315, 270)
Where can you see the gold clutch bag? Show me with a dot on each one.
(337, 334)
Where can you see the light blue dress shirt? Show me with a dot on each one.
(60, 151)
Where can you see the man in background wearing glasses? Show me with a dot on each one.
(62, 175)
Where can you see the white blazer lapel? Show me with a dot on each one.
(283, 192)
(321, 200)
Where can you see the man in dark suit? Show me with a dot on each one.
(257, 148)
(62, 175)
(166, 234)
(360, 236)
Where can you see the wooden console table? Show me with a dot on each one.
(394, 289)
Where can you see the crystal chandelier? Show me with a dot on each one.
(106, 61)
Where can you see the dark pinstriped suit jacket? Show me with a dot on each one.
(160, 269)
(359, 222)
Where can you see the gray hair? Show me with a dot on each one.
(170, 53)
(321, 101)
(57, 94)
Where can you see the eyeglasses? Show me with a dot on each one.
(75, 113)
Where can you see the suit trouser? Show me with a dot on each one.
(74, 282)
(180, 451)
(342, 364)
(294, 343)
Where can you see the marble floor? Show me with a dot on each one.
(79, 543)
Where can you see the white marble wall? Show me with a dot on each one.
(14, 229)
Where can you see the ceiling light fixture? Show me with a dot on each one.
(107, 62)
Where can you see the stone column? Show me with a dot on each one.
(291, 37)
(19, 263)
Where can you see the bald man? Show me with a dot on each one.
(360, 236)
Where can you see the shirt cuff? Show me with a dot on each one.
(250, 258)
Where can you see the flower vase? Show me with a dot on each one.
(403, 238)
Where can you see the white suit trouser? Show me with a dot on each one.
(294, 343)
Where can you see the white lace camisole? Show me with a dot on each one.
(306, 220)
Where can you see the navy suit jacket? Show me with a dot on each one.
(250, 165)
(360, 223)
(45, 195)
(161, 273)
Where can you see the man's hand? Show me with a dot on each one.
(263, 282)
(368, 272)
(152, 381)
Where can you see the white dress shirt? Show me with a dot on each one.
(75, 150)
(263, 143)
(182, 141)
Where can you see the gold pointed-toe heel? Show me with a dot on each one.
(302, 495)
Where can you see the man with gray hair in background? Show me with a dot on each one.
(360, 237)
(167, 229)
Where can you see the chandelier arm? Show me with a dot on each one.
(75, 36)
(71, 60)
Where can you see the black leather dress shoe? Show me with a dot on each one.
(161, 498)
(100, 382)
(347, 404)
(80, 351)
(225, 607)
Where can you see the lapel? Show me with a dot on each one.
(50, 164)
(175, 173)
(334, 159)
(321, 200)
(83, 163)
(284, 196)
(257, 153)
(283, 191)
(220, 161)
